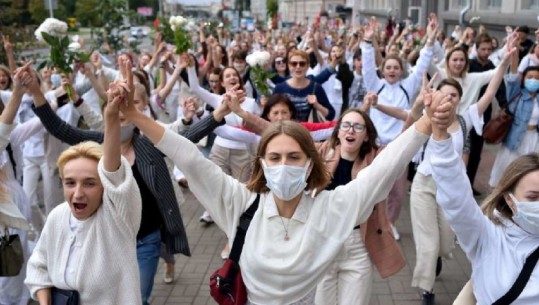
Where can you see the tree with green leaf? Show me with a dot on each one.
(112, 17)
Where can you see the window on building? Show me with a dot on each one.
(529, 4)
(494, 4)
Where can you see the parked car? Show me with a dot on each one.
(139, 32)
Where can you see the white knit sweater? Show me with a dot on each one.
(107, 272)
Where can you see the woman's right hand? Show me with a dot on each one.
(441, 112)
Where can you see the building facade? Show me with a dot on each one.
(493, 14)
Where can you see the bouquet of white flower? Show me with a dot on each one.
(259, 75)
(181, 27)
(62, 53)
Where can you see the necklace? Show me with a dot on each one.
(286, 237)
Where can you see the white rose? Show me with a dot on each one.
(74, 47)
(265, 57)
(251, 59)
(53, 27)
(171, 20)
(181, 20)
(173, 27)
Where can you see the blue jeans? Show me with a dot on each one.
(148, 249)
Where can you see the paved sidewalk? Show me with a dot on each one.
(192, 274)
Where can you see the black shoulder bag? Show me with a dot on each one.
(521, 281)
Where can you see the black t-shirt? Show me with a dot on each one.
(342, 175)
(151, 216)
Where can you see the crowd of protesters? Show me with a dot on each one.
(324, 153)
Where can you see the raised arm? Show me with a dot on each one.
(22, 78)
(8, 47)
(460, 208)
(210, 98)
(494, 84)
(56, 126)
(372, 81)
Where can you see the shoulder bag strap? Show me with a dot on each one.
(239, 239)
(521, 281)
(462, 124)
(514, 98)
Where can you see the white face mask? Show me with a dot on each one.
(527, 215)
(286, 181)
(239, 67)
(126, 132)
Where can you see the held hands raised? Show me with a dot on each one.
(120, 95)
(441, 112)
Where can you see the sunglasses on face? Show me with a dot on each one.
(280, 61)
(345, 126)
(301, 64)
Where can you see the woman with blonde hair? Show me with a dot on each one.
(95, 228)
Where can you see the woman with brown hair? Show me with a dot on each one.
(349, 280)
(502, 236)
(432, 234)
(297, 231)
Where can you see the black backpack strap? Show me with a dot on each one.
(406, 94)
(239, 239)
(400, 85)
(462, 124)
(521, 281)
(381, 88)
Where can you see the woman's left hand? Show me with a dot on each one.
(312, 100)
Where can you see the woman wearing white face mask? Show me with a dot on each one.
(293, 237)
(159, 200)
(499, 237)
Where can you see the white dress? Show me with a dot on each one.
(529, 144)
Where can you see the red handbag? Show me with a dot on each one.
(226, 283)
(495, 131)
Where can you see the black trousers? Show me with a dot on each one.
(476, 148)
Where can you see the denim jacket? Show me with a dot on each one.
(521, 109)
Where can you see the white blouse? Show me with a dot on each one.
(275, 270)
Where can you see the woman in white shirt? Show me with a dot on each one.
(85, 237)
(432, 235)
(393, 89)
(500, 235)
(530, 60)
(297, 231)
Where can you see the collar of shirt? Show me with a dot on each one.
(301, 214)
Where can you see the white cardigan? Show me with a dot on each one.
(496, 252)
(108, 270)
(276, 271)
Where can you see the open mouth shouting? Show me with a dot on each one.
(79, 208)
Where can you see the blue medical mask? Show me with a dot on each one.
(527, 215)
(531, 84)
(286, 181)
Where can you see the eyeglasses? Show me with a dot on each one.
(345, 126)
(280, 61)
(302, 64)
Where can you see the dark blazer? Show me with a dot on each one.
(150, 163)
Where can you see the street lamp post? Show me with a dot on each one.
(51, 11)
